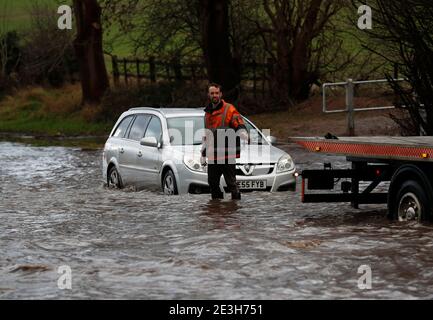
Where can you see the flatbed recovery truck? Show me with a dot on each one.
(405, 162)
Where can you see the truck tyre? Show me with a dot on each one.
(411, 203)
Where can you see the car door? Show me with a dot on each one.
(117, 143)
(129, 151)
(149, 159)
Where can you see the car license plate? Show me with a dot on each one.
(252, 184)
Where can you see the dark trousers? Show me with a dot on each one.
(214, 172)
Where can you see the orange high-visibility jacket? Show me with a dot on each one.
(223, 117)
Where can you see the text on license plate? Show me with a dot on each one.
(254, 184)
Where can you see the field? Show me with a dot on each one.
(57, 112)
(53, 112)
(16, 14)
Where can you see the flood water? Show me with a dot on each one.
(127, 244)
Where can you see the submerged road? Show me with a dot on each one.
(63, 235)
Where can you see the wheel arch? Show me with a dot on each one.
(168, 165)
(111, 163)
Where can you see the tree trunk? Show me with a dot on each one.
(294, 26)
(88, 49)
(283, 70)
(293, 78)
(220, 65)
(301, 78)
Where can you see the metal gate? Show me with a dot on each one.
(350, 108)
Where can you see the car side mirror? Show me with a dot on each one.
(150, 142)
(272, 139)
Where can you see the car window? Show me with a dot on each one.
(122, 127)
(138, 127)
(154, 128)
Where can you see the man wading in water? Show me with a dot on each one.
(224, 129)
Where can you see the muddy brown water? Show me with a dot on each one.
(55, 212)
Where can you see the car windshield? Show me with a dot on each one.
(255, 135)
(186, 130)
(190, 130)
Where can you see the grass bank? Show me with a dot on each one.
(50, 112)
(44, 116)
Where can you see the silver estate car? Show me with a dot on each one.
(159, 148)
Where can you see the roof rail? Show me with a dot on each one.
(143, 108)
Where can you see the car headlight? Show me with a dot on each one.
(285, 163)
(193, 163)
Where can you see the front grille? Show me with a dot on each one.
(259, 170)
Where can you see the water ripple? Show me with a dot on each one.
(140, 244)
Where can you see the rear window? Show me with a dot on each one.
(122, 127)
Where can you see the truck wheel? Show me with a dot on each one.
(113, 179)
(169, 185)
(412, 203)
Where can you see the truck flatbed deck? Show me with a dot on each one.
(405, 162)
(390, 148)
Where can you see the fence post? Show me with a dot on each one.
(264, 79)
(152, 69)
(137, 62)
(115, 65)
(125, 70)
(193, 73)
(395, 71)
(349, 108)
(167, 71)
(254, 79)
(177, 68)
(270, 71)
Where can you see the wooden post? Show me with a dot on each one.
(125, 70)
(263, 80)
(270, 66)
(254, 79)
(167, 71)
(152, 69)
(116, 75)
(177, 69)
(350, 108)
(270, 70)
(192, 73)
(137, 62)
